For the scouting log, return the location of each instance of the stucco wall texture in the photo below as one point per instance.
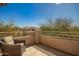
(66, 45)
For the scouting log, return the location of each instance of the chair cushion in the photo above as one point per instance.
(22, 44)
(8, 40)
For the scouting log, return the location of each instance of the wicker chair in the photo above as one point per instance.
(12, 49)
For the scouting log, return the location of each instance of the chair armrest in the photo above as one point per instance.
(21, 44)
(19, 41)
(12, 50)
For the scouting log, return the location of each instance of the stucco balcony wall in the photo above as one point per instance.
(66, 45)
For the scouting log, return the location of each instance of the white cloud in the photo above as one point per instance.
(58, 3)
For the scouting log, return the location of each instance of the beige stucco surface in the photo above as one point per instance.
(66, 45)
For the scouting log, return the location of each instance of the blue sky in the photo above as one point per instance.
(31, 14)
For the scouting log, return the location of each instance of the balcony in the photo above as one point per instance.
(46, 45)
(42, 50)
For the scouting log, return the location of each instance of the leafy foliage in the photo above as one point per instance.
(59, 24)
(60, 27)
(9, 28)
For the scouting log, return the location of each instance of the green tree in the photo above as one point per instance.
(1, 25)
(10, 25)
(59, 24)
(62, 24)
(48, 26)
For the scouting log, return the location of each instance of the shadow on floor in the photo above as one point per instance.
(50, 51)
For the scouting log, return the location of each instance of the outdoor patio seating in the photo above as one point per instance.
(9, 48)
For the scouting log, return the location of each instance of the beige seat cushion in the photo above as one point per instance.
(9, 40)
(22, 44)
